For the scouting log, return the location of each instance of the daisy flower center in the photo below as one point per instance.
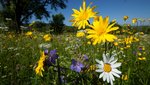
(107, 67)
(84, 16)
(101, 32)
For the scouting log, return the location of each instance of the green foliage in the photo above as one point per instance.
(40, 26)
(57, 23)
(70, 29)
(145, 29)
(19, 56)
(21, 11)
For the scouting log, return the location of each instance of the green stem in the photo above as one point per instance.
(105, 47)
(59, 78)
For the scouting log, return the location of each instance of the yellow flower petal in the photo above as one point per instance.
(100, 31)
(81, 17)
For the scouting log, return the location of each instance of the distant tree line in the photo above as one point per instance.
(56, 25)
(21, 11)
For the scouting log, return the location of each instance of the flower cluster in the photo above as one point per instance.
(100, 31)
(140, 53)
(46, 59)
(52, 56)
(77, 65)
(134, 20)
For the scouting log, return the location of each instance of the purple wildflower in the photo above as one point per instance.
(76, 65)
(46, 52)
(85, 57)
(140, 48)
(52, 57)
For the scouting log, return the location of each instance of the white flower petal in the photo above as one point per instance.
(101, 75)
(102, 63)
(111, 82)
(105, 58)
(104, 76)
(98, 61)
(99, 70)
(107, 77)
(116, 65)
(115, 74)
(100, 66)
(113, 61)
(111, 76)
(116, 71)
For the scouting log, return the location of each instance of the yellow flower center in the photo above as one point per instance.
(84, 16)
(107, 68)
(101, 31)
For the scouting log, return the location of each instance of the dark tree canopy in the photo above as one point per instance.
(21, 11)
(57, 23)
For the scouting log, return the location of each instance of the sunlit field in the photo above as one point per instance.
(19, 55)
(100, 52)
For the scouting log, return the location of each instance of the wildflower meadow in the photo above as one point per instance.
(97, 52)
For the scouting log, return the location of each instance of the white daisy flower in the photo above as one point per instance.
(108, 68)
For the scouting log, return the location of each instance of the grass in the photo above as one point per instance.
(19, 55)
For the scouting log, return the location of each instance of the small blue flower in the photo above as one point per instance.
(85, 57)
(140, 49)
(76, 66)
(46, 52)
(52, 57)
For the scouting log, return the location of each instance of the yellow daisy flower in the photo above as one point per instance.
(113, 21)
(142, 33)
(80, 34)
(124, 77)
(136, 39)
(139, 54)
(142, 58)
(100, 31)
(40, 68)
(134, 20)
(29, 33)
(89, 43)
(128, 40)
(121, 48)
(116, 43)
(47, 37)
(125, 18)
(81, 17)
(91, 68)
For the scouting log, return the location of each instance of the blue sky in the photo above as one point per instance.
(115, 9)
